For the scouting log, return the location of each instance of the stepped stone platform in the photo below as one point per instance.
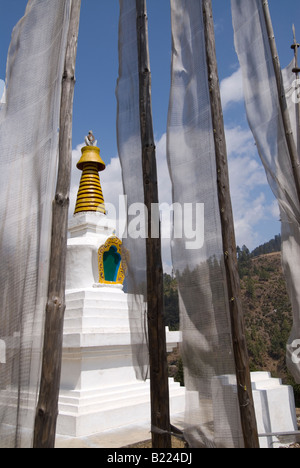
(99, 388)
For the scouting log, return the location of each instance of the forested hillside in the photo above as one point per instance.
(274, 245)
(266, 307)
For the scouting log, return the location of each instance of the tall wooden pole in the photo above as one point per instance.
(246, 404)
(296, 70)
(47, 409)
(160, 413)
(282, 100)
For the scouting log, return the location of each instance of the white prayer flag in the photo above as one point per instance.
(29, 121)
(266, 122)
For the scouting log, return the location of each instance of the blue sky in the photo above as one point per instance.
(255, 210)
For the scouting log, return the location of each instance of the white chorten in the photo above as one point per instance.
(99, 389)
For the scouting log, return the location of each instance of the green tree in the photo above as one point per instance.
(171, 303)
(244, 261)
(250, 288)
(179, 377)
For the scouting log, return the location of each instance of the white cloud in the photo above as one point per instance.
(111, 183)
(248, 215)
(164, 182)
(240, 141)
(165, 195)
(275, 211)
(248, 180)
(232, 89)
(248, 185)
(75, 178)
(246, 171)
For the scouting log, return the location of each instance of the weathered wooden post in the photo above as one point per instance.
(160, 413)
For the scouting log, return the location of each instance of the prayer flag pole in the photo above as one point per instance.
(295, 46)
(246, 404)
(47, 408)
(160, 412)
(282, 99)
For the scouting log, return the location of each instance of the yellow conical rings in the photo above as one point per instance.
(90, 196)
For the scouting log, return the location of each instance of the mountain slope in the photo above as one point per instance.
(267, 312)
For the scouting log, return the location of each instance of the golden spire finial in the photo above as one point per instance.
(90, 140)
(90, 196)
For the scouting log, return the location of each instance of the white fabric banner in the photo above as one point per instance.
(29, 121)
(130, 154)
(212, 413)
(265, 120)
(290, 231)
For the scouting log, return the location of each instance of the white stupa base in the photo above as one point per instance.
(82, 414)
(99, 389)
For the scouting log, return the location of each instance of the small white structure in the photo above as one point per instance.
(274, 407)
